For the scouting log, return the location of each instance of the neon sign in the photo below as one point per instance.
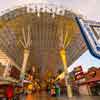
(91, 33)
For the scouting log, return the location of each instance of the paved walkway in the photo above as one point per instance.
(43, 96)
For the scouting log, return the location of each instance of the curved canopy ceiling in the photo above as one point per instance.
(48, 31)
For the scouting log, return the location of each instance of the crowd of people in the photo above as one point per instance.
(50, 86)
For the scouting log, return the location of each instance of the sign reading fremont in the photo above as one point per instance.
(91, 32)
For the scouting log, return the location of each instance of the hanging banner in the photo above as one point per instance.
(91, 33)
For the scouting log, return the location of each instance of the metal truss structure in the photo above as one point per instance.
(50, 26)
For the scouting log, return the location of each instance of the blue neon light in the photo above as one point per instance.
(88, 43)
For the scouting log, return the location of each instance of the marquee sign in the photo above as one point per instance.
(91, 33)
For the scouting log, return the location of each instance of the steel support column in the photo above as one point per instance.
(64, 60)
(24, 65)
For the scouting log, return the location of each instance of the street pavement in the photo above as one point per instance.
(44, 96)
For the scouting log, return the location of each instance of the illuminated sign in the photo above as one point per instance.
(91, 33)
(78, 69)
(79, 74)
